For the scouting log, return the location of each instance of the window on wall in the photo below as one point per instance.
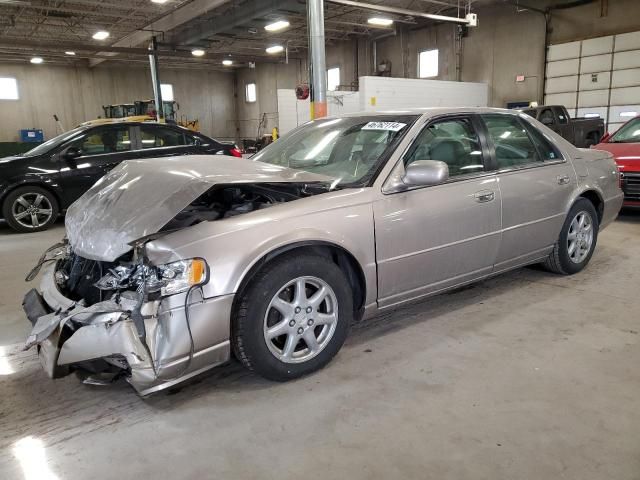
(428, 64)
(8, 88)
(251, 94)
(333, 78)
(166, 89)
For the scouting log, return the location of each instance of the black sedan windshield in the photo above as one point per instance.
(348, 149)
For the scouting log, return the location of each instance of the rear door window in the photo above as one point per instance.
(159, 137)
(512, 145)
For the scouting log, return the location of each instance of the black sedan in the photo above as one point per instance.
(36, 186)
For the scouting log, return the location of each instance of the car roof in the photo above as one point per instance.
(428, 111)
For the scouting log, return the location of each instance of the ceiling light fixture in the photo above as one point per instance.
(380, 21)
(277, 26)
(227, 62)
(159, 1)
(70, 53)
(274, 49)
(101, 35)
(197, 52)
(37, 60)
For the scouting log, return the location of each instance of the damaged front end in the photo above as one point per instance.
(128, 318)
(104, 308)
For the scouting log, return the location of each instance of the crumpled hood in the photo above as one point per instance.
(139, 197)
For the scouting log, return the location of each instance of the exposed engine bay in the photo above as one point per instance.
(228, 201)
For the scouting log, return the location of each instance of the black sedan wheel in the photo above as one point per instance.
(30, 209)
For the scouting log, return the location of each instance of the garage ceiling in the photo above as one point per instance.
(223, 28)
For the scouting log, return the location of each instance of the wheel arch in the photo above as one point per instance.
(336, 253)
(596, 199)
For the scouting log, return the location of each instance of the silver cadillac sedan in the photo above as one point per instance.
(171, 264)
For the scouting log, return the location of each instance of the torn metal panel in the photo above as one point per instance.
(100, 224)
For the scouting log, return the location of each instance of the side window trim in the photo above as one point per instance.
(448, 117)
(528, 129)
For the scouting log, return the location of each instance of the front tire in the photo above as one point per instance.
(577, 242)
(30, 209)
(293, 317)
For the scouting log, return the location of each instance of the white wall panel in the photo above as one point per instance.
(563, 51)
(566, 99)
(561, 84)
(593, 98)
(613, 127)
(602, 81)
(562, 68)
(626, 78)
(384, 93)
(630, 59)
(601, 111)
(615, 112)
(597, 63)
(625, 96)
(597, 46)
(628, 41)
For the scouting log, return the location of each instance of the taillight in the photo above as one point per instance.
(235, 152)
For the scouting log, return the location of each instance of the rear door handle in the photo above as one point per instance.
(484, 196)
(563, 179)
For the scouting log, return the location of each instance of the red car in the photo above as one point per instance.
(625, 147)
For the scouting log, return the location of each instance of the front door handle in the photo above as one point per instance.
(563, 179)
(484, 196)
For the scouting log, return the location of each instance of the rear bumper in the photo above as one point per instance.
(68, 333)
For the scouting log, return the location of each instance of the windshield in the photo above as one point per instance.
(628, 133)
(350, 150)
(53, 143)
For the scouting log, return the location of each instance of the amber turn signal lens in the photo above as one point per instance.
(197, 272)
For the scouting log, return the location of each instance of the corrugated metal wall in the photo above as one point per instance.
(598, 76)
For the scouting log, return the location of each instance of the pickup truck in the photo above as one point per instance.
(582, 132)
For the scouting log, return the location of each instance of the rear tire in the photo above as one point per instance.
(577, 242)
(293, 317)
(30, 209)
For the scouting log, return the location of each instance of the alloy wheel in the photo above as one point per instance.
(32, 210)
(580, 237)
(301, 319)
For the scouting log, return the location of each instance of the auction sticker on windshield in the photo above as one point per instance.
(389, 126)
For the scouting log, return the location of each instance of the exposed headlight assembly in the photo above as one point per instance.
(168, 279)
(178, 277)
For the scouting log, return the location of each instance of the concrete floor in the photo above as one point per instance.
(526, 376)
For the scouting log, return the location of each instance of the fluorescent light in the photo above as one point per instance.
(70, 53)
(591, 115)
(274, 49)
(227, 62)
(37, 60)
(382, 22)
(628, 114)
(197, 52)
(159, 1)
(277, 26)
(101, 35)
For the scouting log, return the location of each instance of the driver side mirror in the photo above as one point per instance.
(70, 154)
(425, 173)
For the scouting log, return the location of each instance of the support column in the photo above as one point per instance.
(155, 79)
(317, 61)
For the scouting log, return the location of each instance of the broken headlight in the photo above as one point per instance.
(168, 279)
(178, 277)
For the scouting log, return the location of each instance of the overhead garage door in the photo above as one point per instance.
(596, 77)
